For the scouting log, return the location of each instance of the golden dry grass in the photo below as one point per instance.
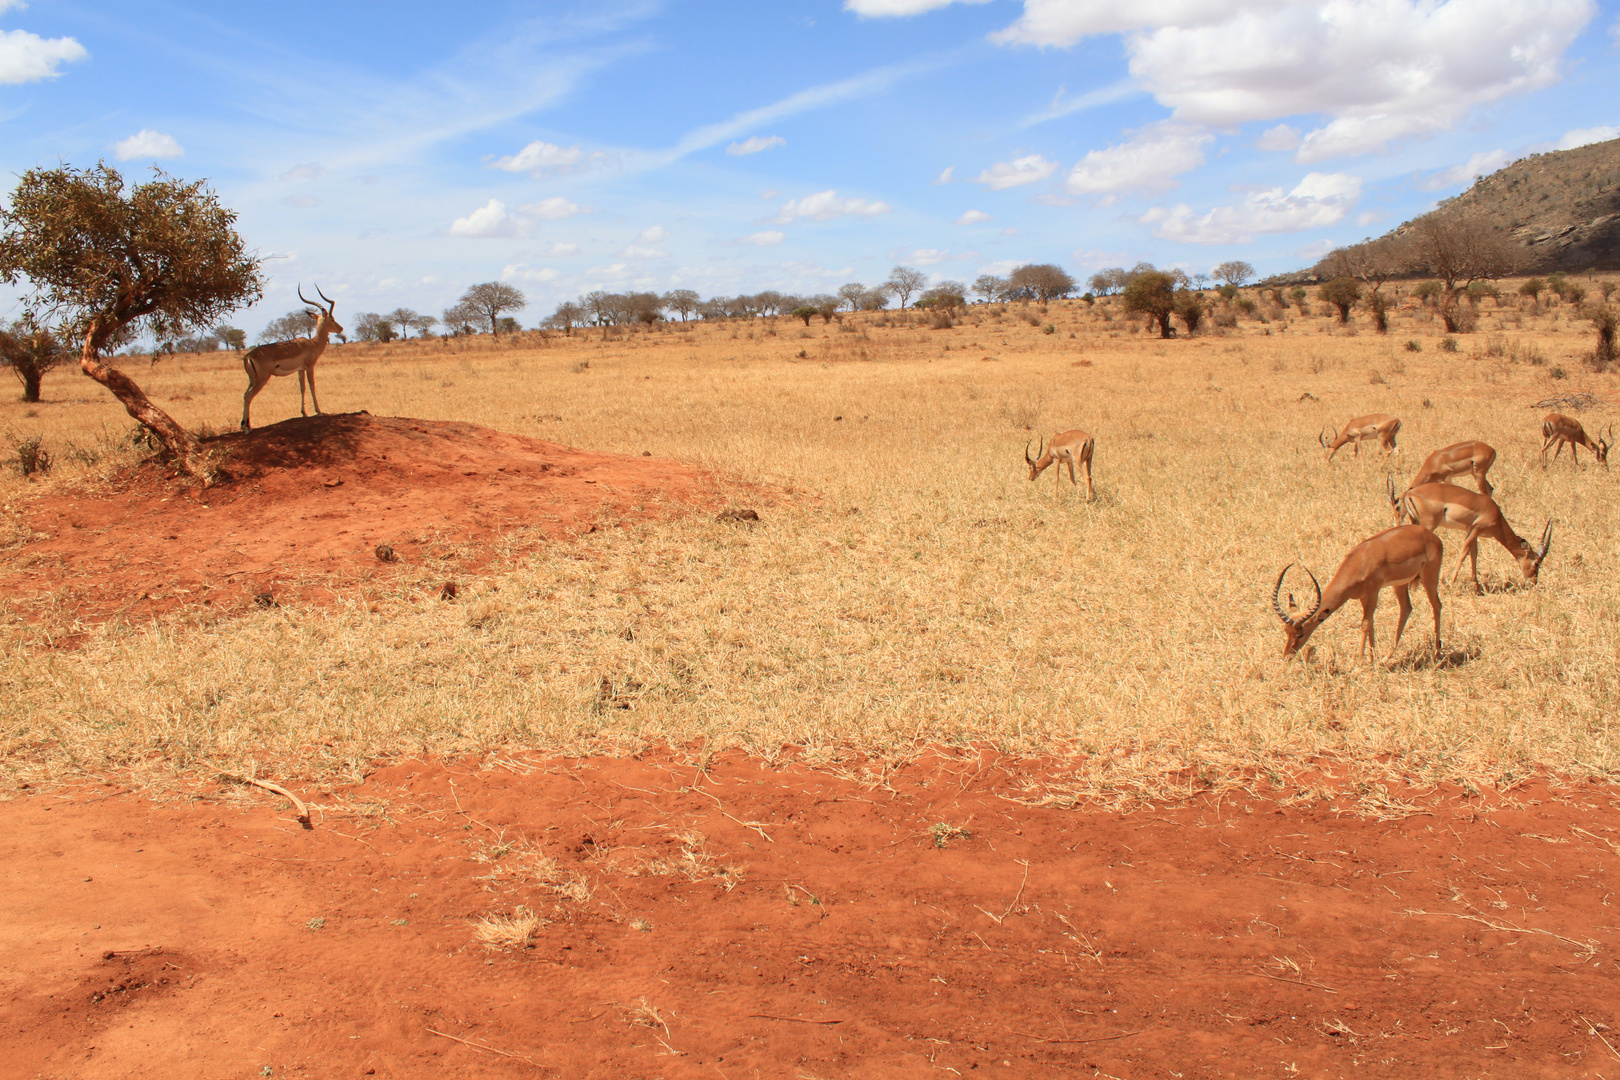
(915, 586)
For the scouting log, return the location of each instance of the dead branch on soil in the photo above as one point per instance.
(1296, 982)
(1104, 1038)
(303, 811)
(1591, 1029)
(790, 1019)
(1587, 947)
(486, 1049)
(1579, 402)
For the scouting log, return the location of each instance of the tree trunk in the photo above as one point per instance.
(176, 439)
(31, 377)
(1165, 329)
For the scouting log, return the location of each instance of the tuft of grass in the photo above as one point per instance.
(945, 834)
(502, 931)
(1414, 345)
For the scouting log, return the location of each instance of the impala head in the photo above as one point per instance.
(1297, 630)
(1396, 503)
(1034, 462)
(1530, 559)
(323, 315)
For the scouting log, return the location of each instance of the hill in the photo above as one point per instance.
(1562, 207)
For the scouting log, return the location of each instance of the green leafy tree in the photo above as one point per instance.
(1153, 293)
(1342, 293)
(30, 350)
(1189, 305)
(99, 257)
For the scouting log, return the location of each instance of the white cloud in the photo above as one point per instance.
(767, 238)
(525, 272)
(754, 144)
(926, 256)
(561, 249)
(493, 219)
(1313, 251)
(873, 9)
(553, 209)
(1378, 70)
(26, 57)
(974, 217)
(1588, 136)
(1319, 200)
(1149, 162)
(488, 221)
(1000, 267)
(148, 145)
(1481, 164)
(1016, 173)
(540, 158)
(946, 175)
(307, 171)
(637, 251)
(1281, 137)
(1367, 217)
(654, 235)
(824, 205)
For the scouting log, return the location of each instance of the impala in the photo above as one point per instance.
(1446, 506)
(1064, 449)
(1455, 460)
(1381, 426)
(1561, 429)
(286, 357)
(1392, 559)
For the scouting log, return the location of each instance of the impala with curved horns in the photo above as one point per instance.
(1065, 448)
(1561, 429)
(1392, 559)
(1455, 460)
(1447, 506)
(1380, 426)
(263, 362)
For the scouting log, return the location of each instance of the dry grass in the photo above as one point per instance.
(514, 931)
(915, 586)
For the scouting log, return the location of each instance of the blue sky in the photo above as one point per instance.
(398, 153)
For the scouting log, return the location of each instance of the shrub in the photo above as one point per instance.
(1448, 344)
(1532, 288)
(1414, 345)
(1558, 373)
(32, 457)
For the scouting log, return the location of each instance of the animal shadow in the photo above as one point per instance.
(1429, 660)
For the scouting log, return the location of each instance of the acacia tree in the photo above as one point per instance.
(1372, 263)
(491, 298)
(1043, 281)
(1460, 249)
(682, 302)
(851, 294)
(1234, 273)
(31, 350)
(991, 287)
(404, 318)
(903, 281)
(1153, 293)
(99, 259)
(1342, 293)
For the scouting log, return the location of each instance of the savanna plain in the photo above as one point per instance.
(929, 768)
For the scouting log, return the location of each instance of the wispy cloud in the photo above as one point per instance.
(1062, 105)
(826, 205)
(754, 144)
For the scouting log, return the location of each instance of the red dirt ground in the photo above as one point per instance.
(308, 501)
(216, 938)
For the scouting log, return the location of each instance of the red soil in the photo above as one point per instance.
(1230, 937)
(308, 501)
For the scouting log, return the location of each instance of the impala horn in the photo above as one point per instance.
(1394, 499)
(1276, 592)
(1323, 439)
(1027, 459)
(306, 299)
(330, 303)
(1546, 545)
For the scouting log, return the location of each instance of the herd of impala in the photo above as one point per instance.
(1396, 557)
(1408, 552)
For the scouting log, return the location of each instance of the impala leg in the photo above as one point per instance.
(1403, 597)
(1369, 642)
(254, 386)
(1470, 548)
(313, 399)
(301, 411)
(1485, 488)
(1072, 481)
(1088, 479)
(1431, 585)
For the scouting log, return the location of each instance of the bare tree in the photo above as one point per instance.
(903, 281)
(459, 318)
(851, 294)
(165, 254)
(991, 287)
(423, 323)
(1042, 281)
(1108, 282)
(1372, 262)
(682, 302)
(491, 298)
(370, 326)
(294, 324)
(403, 318)
(567, 316)
(1234, 273)
(1460, 249)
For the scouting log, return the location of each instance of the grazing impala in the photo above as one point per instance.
(1446, 506)
(1381, 426)
(1455, 460)
(1561, 429)
(1392, 559)
(1065, 449)
(286, 357)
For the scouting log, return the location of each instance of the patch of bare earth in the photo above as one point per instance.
(305, 504)
(640, 918)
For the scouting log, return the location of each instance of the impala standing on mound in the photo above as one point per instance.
(285, 357)
(1446, 506)
(1065, 449)
(1454, 460)
(1381, 426)
(1561, 429)
(1392, 559)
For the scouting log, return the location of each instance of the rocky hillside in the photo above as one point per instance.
(1564, 206)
